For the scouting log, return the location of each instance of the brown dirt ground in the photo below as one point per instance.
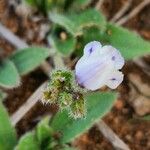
(135, 133)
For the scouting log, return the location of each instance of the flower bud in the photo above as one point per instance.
(63, 91)
(77, 108)
(65, 99)
(99, 66)
(50, 95)
(61, 81)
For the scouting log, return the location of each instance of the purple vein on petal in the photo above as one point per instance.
(90, 73)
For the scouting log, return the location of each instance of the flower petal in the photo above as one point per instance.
(115, 78)
(99, 66)
(92, 48)
(114, 55)
(93, 75)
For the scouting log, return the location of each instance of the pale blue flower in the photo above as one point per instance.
(99, 66)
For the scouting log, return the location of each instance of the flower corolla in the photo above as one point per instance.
(99, 66)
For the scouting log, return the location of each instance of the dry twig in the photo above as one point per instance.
(99, 4)
(11, 38)
(145, 67)
(122, 11)
(111, 136)
(133, 13)
(18, 115)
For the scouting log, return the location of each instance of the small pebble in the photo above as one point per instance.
(139, 135)
(129, 138)
(119, 104)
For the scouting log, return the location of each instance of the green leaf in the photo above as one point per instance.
(89, 34)
(44, 132)
(28, 142)
(64, 46)
(7, 132)
(30, 58)
(81, 3)
(75, 22)
(3, 95)
(130, 44)
(63, 21)
(31, 2)
(9, 76)
(144, 118)
(98, 104)
(147, 118)
(57, 5)
(41, 5)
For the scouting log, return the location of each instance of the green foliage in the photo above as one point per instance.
(21, 62)
(39, 139)
(64, 46)
(95, 34)
(58, 5)
(9, 76)
(41, 5)
(45, 5)
(86, 29)
(31, 2)
(3, 95)
(74, 23)
(60, 83)
(44, 132)
(30, 58)
(130, 44)
(98, 105)
(28, 142)
(147, 117)
(77, 4)
(77, 107)
(144, 118)
(7, 132)
(70, 31)
(65, 99)
(63, 91)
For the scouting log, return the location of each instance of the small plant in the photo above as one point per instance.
(97, 67)
(63, 91)
(80, 105)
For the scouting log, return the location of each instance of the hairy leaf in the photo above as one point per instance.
(89, 34)
(130, 44)
(7, 132)
(44, 132)
(64, 46)
(28, 142)
(74, 23)
(9, 76)
(98, 104)
(30, 58)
